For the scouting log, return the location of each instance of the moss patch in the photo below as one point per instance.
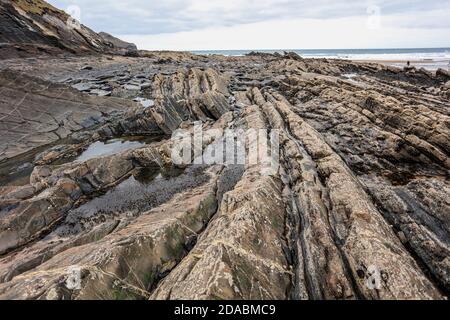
(276, 222)
(36, 6)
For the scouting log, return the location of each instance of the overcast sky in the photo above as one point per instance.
(267, 24)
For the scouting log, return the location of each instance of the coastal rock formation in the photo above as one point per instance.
(36, 112)
(94, 203)
(31, 27)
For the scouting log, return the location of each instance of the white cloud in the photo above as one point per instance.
(218, 24)
(295, 34)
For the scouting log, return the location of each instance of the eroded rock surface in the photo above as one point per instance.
(34, 27)
(357, 209)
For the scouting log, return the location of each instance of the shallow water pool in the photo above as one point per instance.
(100, 148)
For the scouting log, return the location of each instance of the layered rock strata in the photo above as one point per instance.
(357, 209)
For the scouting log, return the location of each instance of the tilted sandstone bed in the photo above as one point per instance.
(362, 186)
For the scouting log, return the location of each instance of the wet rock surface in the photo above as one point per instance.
(358, 208)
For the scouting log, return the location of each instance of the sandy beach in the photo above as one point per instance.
(428, 64)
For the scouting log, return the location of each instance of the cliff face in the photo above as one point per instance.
(29, 27)
(358, 207)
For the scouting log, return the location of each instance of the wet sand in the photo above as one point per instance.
(428, 64)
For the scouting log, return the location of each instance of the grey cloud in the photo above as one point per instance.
(155, 17)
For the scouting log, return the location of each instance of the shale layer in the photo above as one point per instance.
(358, 207)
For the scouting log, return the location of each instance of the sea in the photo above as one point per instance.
(428, 58)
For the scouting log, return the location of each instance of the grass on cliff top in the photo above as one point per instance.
(36, 6)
